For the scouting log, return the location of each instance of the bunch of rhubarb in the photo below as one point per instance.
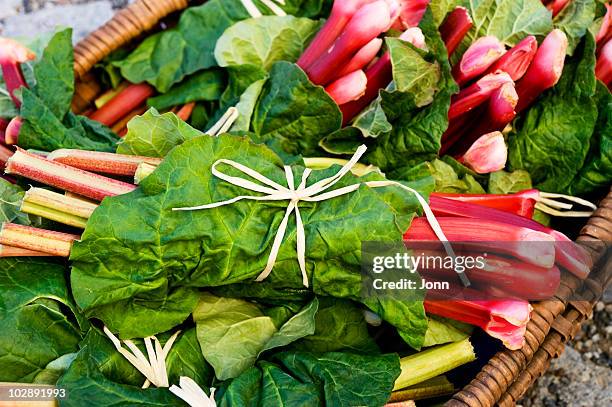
(496, 84)
(343, 55)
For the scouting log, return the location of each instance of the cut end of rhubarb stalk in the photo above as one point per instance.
(488, 154)
(508, 322)
(478, 58)
(477, 93)
(411, 13)
(12, 51)
(348, 88)
(11, 134)
(516, 61)
(414, 36)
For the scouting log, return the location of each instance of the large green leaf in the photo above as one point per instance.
(206, 85)
(265, 40)
(38, 321)
(551, 139)
(136, 250)
(503, 182)
(233, 332)
(306, 379)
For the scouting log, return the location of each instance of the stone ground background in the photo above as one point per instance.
(582, 376)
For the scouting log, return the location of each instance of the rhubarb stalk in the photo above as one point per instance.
(105, 163)
(434, 387)
(12, 55)
(348, 88)
(125, 101)
(365, 25)
(11, 251)
(556, 6)
(603, 69)
(455, 27)
(64, 177)
(545, 70)
(184, 112)
(5, 154)
(40, 240)
(478, 58)
(502, 319)
(477, 93)
(143, 171)
(519, 203)
(11, 134)
(411, 13)
(433, 362)
(122, 123)
(341, 13)
(363, 57)
(109, 94)
(57, 207)
(488, 154)
(516, 61)
(605, 30)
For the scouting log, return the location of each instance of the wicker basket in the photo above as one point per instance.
(508, 374)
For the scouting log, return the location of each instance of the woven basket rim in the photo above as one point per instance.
(508, 374)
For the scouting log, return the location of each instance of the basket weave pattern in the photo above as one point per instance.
(508, 374)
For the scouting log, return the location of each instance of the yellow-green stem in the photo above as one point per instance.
(434, 387)
(52, 214)
(60, 202)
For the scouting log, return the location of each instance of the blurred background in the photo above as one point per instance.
(582, 376)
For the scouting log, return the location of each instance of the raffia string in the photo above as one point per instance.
(313, 193)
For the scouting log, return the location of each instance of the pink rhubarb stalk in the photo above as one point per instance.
(124, 102)
(39, 240)
(11, 251)
(341, 13)
(556, 6)
(494, 208)
(516, 61)
(483, 53)
(505, 320)
(348, 88)
(411, 13)
(477, 93)
(488, 154)
(378, 76)
(12, 55)
(365, 25)
(11, 134)
(64, 177)
(3, 125)
(545, 70)
(455, 27)
(603, 69)
(105, 163)
(363, 57)
(605, 31)
(490, 236)
(5, 154)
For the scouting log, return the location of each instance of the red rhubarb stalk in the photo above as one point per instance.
(605, 31)
(556, 6)
(12, 55)
(545, 70)
(478, 58)
(106, 163)
(127, 100)
(64, 177)
(411, 13)
(184, 112)
(363, 57)
(341, 13)
(488, 154)
(40, 240)
(3, 125)
(365, 25)
(516, 61)
(505, 320)
(122, 123)
(491, 236)
(603, 69)
(455, 27)
(11, 251)
(477, 93)
(348, 88)
(11, 134)
(519, 203)
(5, 154)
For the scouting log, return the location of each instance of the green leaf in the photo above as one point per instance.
(246, 106)
(597, 170)
(38, 320)
(574, 19)
(305, 379)
(339, 326)
(551, 139)
(154, 134)
(206, 85)
(344, 141)
(416, 132)
(101, 374)
(240, 77)
(265, 40)
(12, 195)
(136, 249)
(503, 182)
(440, 8)
(292, 113)
(447, 180)
(443, 330)
(54, 73)
(233, 332)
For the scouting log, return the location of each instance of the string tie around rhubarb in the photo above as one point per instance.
(313, 193)
(154, 369)
(546, 203)
(254, 12)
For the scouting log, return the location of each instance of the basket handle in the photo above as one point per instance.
(125, 25)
